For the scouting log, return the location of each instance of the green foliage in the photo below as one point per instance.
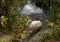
(19, 24)
(14, 21)
(1, 40)
(55, 9)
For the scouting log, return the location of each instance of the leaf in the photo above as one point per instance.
(51, 24)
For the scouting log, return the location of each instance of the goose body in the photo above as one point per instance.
(34, 24)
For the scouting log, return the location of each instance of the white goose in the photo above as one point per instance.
(34, 24)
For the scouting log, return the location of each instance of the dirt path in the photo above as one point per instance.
(38, 36)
